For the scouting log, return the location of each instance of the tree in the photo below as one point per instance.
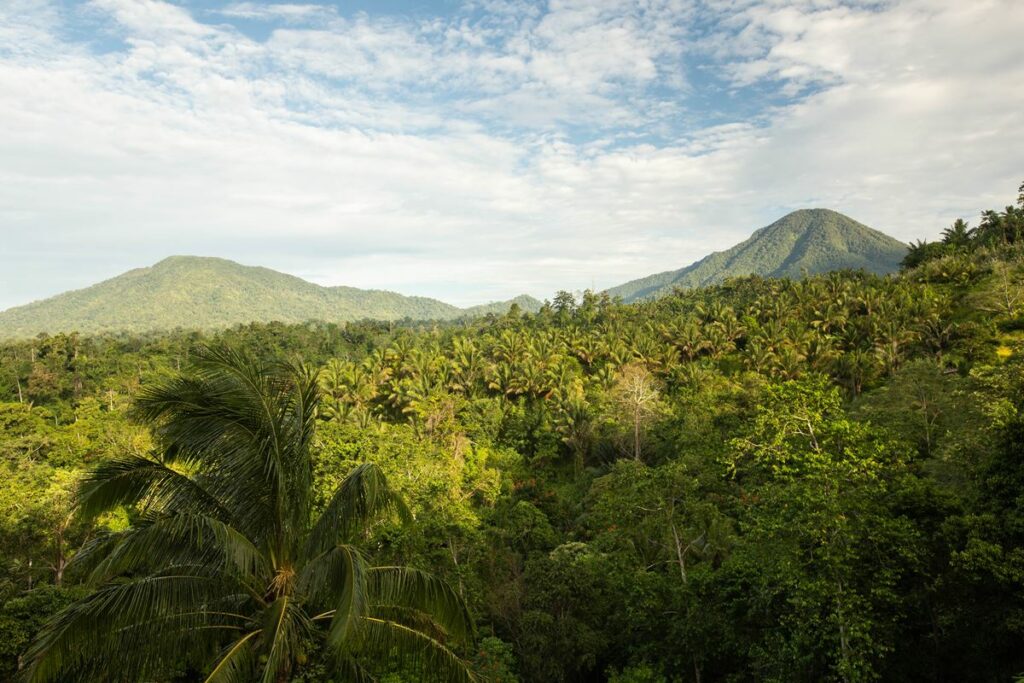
(572, 604)
(921, 251)
(1004, 297)
(22, 616)
(227, 569)
(661, 516)
(919, 405)
(635, 394)
(825, 540)
(564, 304)
(957, 235)
(1001, 227)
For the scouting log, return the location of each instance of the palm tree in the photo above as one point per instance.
(574, 423)
(228, 569)
(1001, 227)
(690, 340)
(958, 235)
(587, 347)
(920, 251)
(468, 366)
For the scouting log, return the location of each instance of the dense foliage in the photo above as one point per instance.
(808, 241)
(780, 480)
(210, 293)
(226, 568)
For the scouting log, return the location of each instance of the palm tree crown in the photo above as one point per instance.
(227, 568)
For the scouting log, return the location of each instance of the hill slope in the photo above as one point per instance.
(809, 240)
(210, 293)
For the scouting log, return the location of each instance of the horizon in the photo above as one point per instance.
(541, 299)
(475, 151)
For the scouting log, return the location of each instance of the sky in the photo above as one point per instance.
(473, 151)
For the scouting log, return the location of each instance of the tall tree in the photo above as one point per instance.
(636, 396)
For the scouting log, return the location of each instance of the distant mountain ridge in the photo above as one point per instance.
(805, 241)
(206, 293)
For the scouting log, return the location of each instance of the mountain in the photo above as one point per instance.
(805, 241)
(209, 293)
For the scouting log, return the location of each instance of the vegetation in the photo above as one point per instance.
(808, 241)
(996, 230)
(197, 293)
(226, 568)
(765, 479)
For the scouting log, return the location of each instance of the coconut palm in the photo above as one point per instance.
(587, 347)
(228, 570)
(958, 235)
(468, 366)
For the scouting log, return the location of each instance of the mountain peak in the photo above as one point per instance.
(812, 211)
(815, 219)
(803, 241)
(191, 261)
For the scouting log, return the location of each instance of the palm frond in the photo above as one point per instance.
(352, 671)
(246, 426)
(132, 479)
(236, 663)
(184, 538)
(408, 588)
(362, 497)
(285, 628)
(144, 625)
(298, 425)
(430, 657)
(337, 580)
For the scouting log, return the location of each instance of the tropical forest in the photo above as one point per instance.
(814, 477)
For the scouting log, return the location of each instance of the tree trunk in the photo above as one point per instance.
(681, 558)
(844, 641)
(60, 561)
(680, 553)
(636, 435)
(455, 560)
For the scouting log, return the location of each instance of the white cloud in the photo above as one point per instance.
(500, 150)
(148, 18)
(288, 12)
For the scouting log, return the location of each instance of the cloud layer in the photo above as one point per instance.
(498, 148)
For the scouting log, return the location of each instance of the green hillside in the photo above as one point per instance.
(805, 241)
(209, 293)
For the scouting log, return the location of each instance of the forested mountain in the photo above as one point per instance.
(204, 293)
(806, 241)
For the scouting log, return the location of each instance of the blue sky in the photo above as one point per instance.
(476, 150)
